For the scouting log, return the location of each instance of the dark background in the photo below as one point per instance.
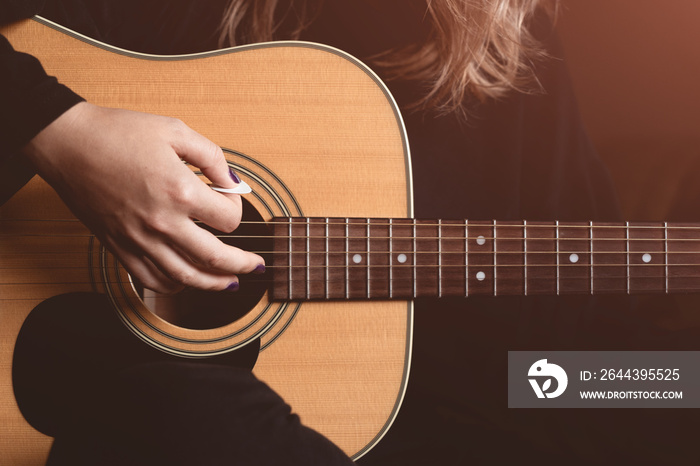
(635, 66)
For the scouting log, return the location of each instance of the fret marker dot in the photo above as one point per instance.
(646, 258)
(480, 240)
(480, 276)
(573, 258)
(402, 258)
(357, 258)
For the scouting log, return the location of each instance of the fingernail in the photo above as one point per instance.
(259, 269)
(233, 175)
(233, 286)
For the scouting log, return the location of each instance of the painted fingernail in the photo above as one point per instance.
(233, 286)
(233, 175)
(259, 269)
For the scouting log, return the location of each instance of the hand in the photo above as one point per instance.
(120, 173)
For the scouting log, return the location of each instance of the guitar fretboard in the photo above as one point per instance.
(352, 258)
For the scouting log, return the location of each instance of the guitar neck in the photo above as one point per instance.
(339, 258)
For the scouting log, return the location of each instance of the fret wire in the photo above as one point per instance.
(666, 252)
(591, 258)
(308, 260)
(415, 262)
(439, 258)
(466, 258)
(493, 243)
(290, 258)
(347, 258)
(558, 277)
(327, 257)
(525, 256)
(391, 258)
(368, 263)
(627, 229)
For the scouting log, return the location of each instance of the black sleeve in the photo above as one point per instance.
(30, 98)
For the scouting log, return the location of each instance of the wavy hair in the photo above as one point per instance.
(476, 49)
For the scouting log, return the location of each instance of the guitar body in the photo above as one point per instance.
(314, 133)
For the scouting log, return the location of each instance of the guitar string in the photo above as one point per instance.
(384, 254)
(424, 266)
(488, 236)
(582, 258)
(405, 297)
(489, 227)
(529, 238)
(394, 252)
(460, 226)
(386, 279)
(356, 278)
(397, 223)
(448, 288)
(395, 266)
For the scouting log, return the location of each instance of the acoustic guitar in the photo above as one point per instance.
(320, 140)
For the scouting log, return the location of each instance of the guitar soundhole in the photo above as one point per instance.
(201, 310)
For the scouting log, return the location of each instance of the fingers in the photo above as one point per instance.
(220, 211)
(194, 258)
(182, 253)
(167, 272)
(144, 213)
(205, 155)
(210, 254)
(183, 271)
(145, 271)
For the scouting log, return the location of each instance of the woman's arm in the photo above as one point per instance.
(121, 173)
(144, 209)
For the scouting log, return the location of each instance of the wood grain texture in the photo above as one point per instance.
(331, 136)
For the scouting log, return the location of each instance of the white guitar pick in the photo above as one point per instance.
(242, 188)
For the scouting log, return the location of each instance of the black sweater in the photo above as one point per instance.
(29, 99)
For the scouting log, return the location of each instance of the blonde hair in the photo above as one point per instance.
(476, 49)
